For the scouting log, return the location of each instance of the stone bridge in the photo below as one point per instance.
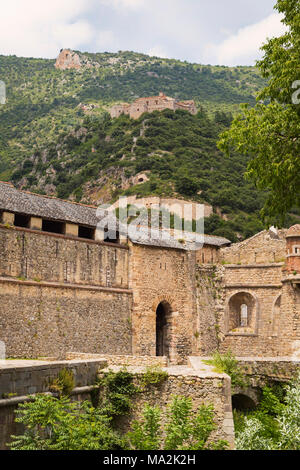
(261, 372)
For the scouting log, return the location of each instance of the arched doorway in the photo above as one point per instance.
(163, 312)
(242, 402)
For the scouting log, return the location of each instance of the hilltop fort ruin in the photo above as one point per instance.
(150, 104)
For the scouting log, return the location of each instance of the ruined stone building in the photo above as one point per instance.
(64, 288)
(150, 104)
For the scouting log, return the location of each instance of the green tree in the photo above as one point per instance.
(59, 424)
(183, 428)
(275, 425)
(270, 131)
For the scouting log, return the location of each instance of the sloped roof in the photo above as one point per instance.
(23, 202)
(163, 238)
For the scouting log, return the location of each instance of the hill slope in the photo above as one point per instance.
(162, 153)
(42, 101)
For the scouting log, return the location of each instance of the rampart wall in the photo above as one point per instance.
(60, 294)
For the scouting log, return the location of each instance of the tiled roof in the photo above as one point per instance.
(23, 202)
(163, 238)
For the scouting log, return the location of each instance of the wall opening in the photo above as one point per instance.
(53, 226)
(241, 312)
(242, 402)
(276, 316)
(163, 312)
(86, 232)
(22, 220)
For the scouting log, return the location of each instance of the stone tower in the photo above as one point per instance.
(293, 249)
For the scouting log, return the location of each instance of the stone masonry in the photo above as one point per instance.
(150, 104)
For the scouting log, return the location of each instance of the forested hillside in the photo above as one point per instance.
(57, 138)
(43, 101)
(176, 152)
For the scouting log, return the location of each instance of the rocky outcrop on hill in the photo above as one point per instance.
(69, 59)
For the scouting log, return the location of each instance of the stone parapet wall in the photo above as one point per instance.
(112, 360)
(20, 379)
(27, 254)
(263, 370)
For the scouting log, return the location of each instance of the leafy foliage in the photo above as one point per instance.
(183, 430)
(117, 390)
(59, 424)
(228, 364)
(153, 375)
(275, 425)
(269, 133)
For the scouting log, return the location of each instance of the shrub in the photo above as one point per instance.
(184, 429)
(117, 390)
(64, 383)
(59, 424)
(275, 425)
(154, 375)
(228, 364)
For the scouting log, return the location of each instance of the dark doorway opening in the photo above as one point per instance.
(242, 402)
(162, 330)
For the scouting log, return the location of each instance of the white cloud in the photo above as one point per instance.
(132, 4)
(72, 35)
(243, 47)
(40, 29)
(105, 40)
(157, 51)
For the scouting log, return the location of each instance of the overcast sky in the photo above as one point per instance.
(224, 32)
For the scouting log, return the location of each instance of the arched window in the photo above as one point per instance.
(241, 314)
(276, 316)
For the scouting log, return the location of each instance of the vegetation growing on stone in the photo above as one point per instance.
(58, 424)
(64, 383)
(228, 364)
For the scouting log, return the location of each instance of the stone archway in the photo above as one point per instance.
(242, 402)
(163, 329)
